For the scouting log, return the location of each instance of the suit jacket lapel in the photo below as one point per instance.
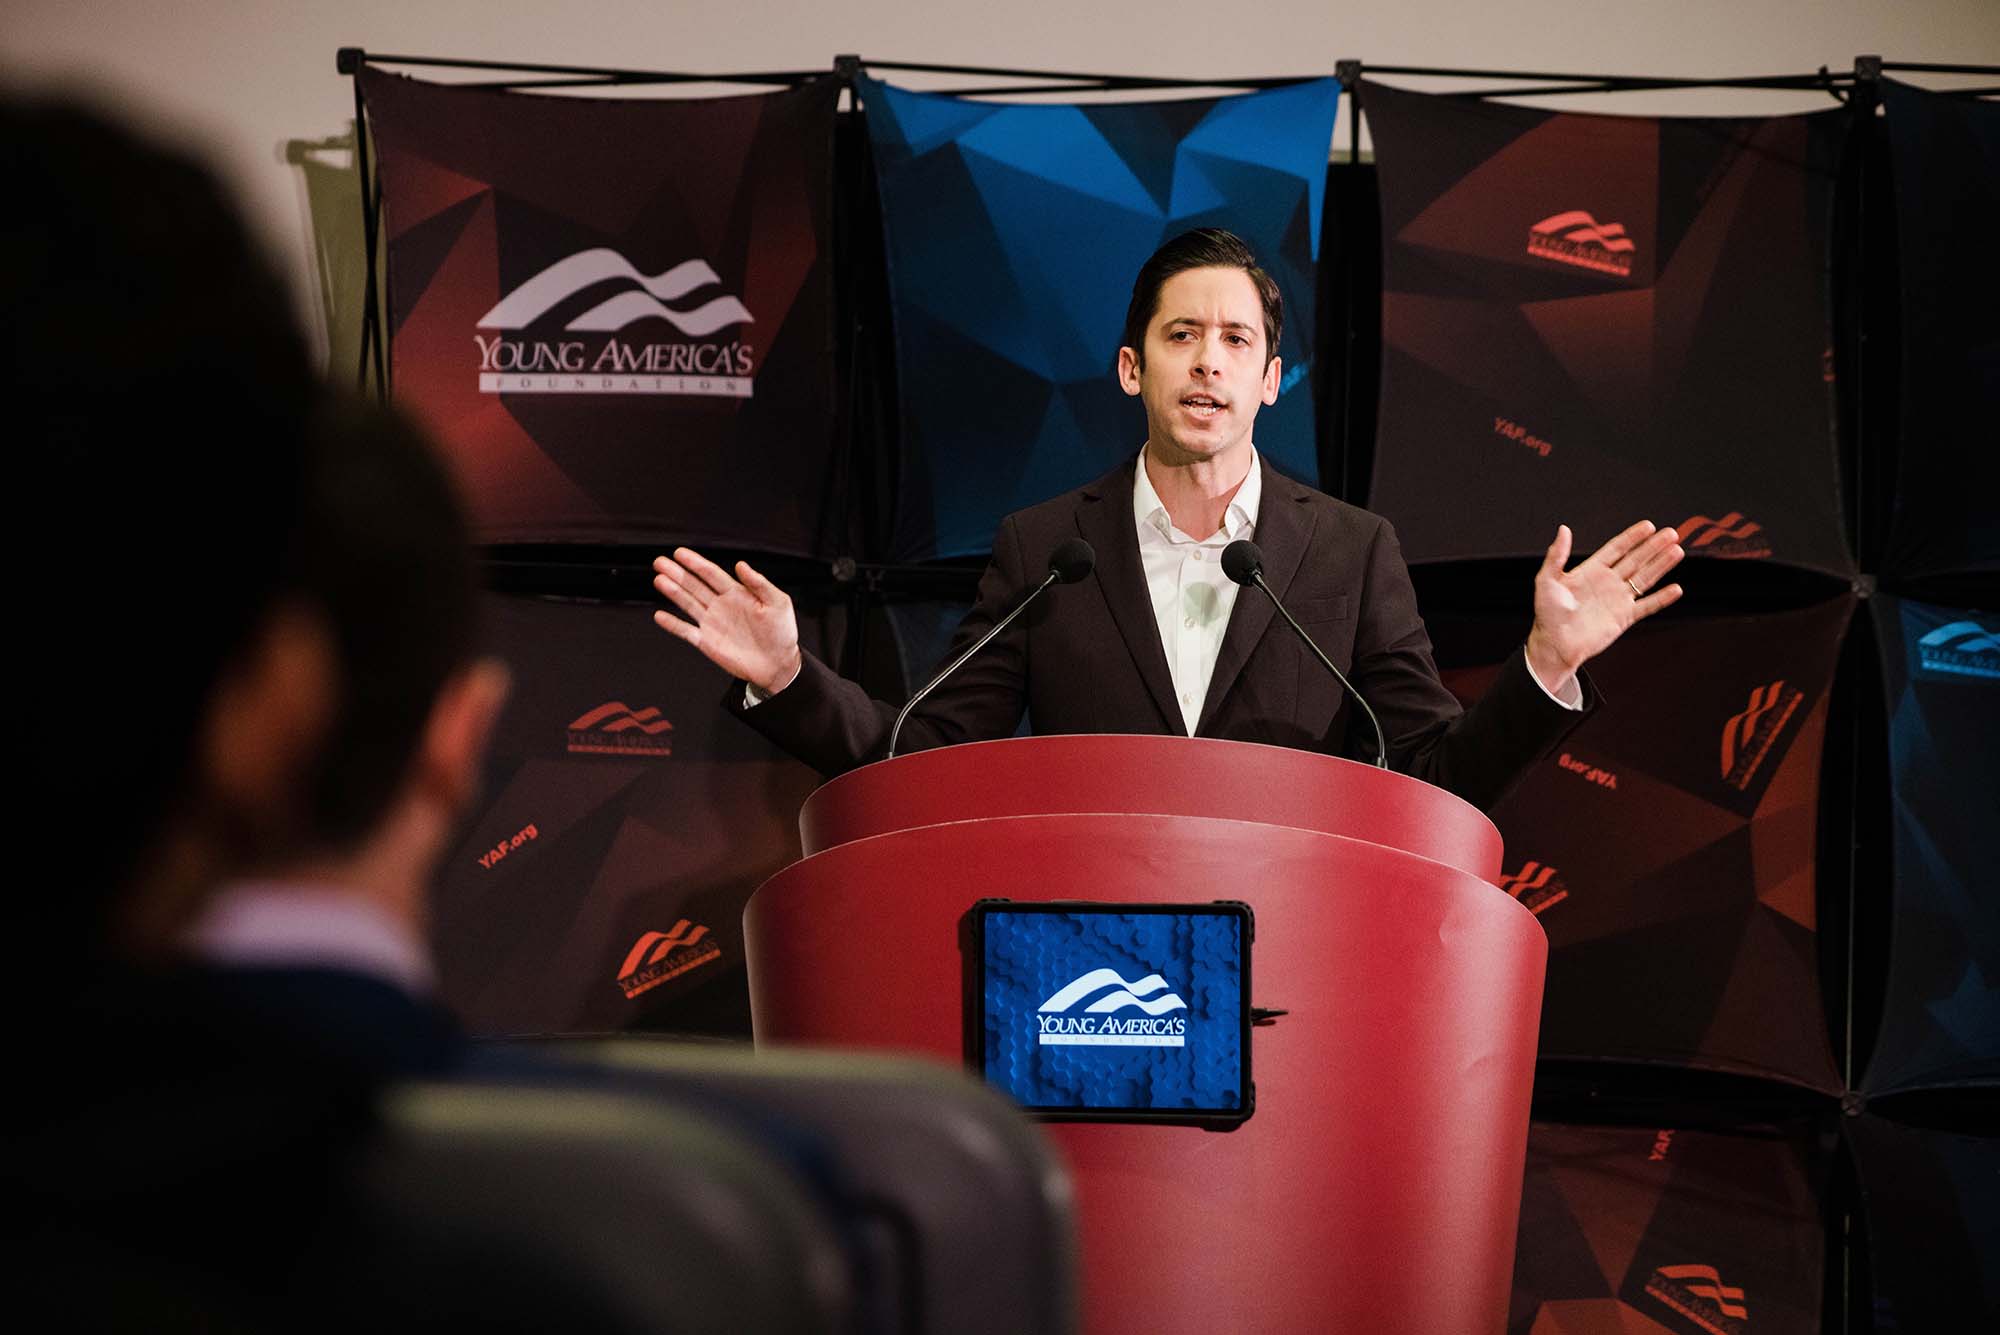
(1104, 518)
(1284, 529)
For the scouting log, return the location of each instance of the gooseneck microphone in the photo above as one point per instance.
(1071, 561)
(1242, 562)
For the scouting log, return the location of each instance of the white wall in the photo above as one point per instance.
(254, 80)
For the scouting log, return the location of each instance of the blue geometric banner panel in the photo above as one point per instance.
(1941, 1012)
(1932, 1222)
(1946, 155)
(1013, 234)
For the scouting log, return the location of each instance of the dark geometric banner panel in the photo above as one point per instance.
(624, 821)
(617, 314)
(1946, 155)
(1931, 1202)
(1941, 1013)
(1631, 1230)
(921, 630)
(1668, 846)
(1596, 319)
(1013, 235)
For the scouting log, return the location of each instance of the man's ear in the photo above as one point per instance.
(1274, 375)
(461, 724)
(265, 720)
(268, 716)
(1128, 370)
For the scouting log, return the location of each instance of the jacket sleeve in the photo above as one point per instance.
(833, 725)
(1477, 753)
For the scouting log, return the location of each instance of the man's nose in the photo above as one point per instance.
(1208, 357)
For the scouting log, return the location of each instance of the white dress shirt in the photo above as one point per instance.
(1191, 596)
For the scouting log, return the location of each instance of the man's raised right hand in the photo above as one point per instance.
(742, 623)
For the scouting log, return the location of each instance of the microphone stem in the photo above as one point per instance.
(953, 666)
(1381, 747)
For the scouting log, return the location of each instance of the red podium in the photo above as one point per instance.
(1376, 1187)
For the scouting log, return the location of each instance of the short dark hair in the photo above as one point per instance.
(157, 383)
(1203, 248)
(384, 553)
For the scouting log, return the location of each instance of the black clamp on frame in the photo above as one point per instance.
(1868, 69)
(1349, 74)
(349, 59)
(847, 67)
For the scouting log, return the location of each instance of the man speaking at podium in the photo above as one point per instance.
(1162, 640)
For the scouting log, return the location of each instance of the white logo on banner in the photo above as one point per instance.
(1156, 1028)
(596, 365)
(587, 268)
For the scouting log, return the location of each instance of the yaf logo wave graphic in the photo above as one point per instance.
(565, 278)
(1731, 536)
(1747, 737)
(1574, 237)
(1062, 1024)
(1537, 886)
(616, 729)
(617, 716)
(1961, 649)
(1698, 1293)
(659, 956)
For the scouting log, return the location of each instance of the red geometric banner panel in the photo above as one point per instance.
(1941, 1009)
(1593, 319)
(1668, 847)
(1931, 1203)
(616, 314)
(625, 820)
(1946, 155)
(1637, 1231)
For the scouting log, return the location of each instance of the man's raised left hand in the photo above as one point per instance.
(1579, 613)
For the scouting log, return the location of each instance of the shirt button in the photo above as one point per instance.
(1189, 623)
(1197, 556)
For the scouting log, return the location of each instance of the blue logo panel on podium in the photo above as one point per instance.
(1095, 1009)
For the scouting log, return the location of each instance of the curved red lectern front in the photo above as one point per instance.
(1377, 1186)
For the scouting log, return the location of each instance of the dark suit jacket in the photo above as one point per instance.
(1088, 659)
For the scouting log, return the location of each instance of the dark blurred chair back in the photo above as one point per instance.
(954, 1205)
(585, 1210)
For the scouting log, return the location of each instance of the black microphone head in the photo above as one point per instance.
(1242, 562)
(1072, 560)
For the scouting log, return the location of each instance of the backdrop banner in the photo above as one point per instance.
(1941, 1010)
(617, 314)
(1595, 319)
(1691, 1232)
(1946, 156)
(1668, 846)
(1933, 1225)
(921, 629)
(1013, 234)
(625, 821)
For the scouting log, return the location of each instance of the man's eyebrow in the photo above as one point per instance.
(1223, 324)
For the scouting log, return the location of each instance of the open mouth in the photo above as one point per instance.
(1203, 405)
